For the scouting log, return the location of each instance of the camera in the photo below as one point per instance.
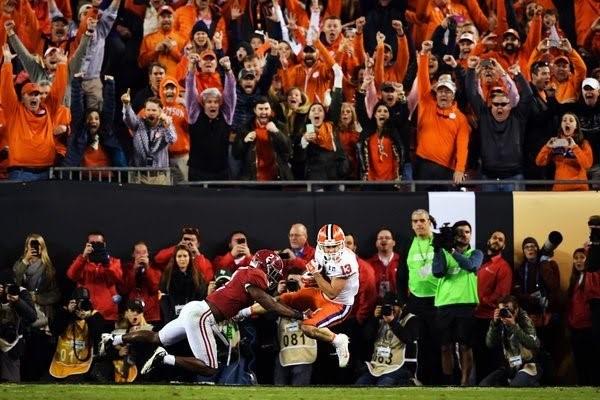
(594, 224)
(10, 289)
(240, 240)
(487, 64)
(555, 238)
(505, 313)
(84, 305)
(292, 285)
(35, 247)
(284, 256)
(444, 239)
(386, 310)
(99, 255)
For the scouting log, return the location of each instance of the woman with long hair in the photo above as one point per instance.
(181, 283)
(570, 152)
(349, 130)
(580, 321)
(35, 272)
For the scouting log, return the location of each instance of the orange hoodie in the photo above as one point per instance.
(178, 112)
(148, 54)
(442, 134)
(568, 168)
(30, 137)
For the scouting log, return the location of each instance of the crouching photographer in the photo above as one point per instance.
(17, 311)
(513, 330)
(79, 327)
(394, 360)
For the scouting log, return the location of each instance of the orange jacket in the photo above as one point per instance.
(26, 24)
(442, 134)
(178, 112)
(427, 17)
(569, 90)
(62, 117)
(30, 137)
(586, 12)
(148, 54)
(186, 17)
(313, 81)
(395, 72)
(568, 168)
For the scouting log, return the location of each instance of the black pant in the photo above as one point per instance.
(430, 358)
(582, 343)
(428, 170)
(486, 359)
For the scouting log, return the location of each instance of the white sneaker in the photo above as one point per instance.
(342, 350)
(154, 361)
(105, 341)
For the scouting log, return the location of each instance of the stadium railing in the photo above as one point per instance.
(122, 175)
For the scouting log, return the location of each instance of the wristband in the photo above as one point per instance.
(246, 312)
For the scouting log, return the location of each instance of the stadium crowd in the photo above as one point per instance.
(319, 90)
(426, 310)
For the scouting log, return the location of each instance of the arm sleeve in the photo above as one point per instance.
(229, 97)
(108, 102)
(77, 59)
(191, 97)
(131, 120)
(407, 333)
(471, 89)
(543, 157)
(27, 60)
(470, 263)
(402, 58)
(76, 269)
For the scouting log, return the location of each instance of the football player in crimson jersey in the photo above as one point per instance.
(334, 272)
(197, 318)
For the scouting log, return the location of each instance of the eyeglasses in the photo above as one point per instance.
(500, 104)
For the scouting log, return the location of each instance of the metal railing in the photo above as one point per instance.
(122, 175)
(113, 174)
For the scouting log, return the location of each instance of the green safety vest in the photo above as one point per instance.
(458, 286)
(421, 282)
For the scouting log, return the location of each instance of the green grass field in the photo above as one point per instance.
(163, 392)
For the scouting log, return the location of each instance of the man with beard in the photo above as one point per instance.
(501, 129)
(165, 45)
(152, 134)
(542, 122)
(511, 50)
(456, 299)
(313, 76)
(210, 117)
(494, 280)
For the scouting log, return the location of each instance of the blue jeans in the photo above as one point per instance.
(503, 187)
(21, 175)
(400, 377)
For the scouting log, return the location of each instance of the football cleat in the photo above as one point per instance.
(342, 350)
(154, 361)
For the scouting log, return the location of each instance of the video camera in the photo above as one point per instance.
(444, 239)
(9, 289)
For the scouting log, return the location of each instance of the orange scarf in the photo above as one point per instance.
(325, 136)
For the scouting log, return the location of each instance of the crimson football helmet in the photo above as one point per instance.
(330, 240)
(271, 264)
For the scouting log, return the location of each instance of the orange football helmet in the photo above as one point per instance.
(330, 240)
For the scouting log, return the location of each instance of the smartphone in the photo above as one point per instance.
(35, 246)
(561, 142)
(240, 240)
(310, 128)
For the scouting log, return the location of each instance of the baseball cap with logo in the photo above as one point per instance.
(30, 88)
(445, 80)
(467, 36)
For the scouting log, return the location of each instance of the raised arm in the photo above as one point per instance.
(229, 93)
(191, 91)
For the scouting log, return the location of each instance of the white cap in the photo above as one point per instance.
(590, 82)
(467, 36)
(445, 80)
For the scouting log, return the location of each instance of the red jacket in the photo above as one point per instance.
(226, 261)
(202, 263)
(148, 291)
(308, 253)
(385, 277)
(494, 280)
(101, 282)
(366, 298)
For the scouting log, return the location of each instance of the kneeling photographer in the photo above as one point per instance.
(513, 330)
(79, 327)
(17, 311)
(394, 360)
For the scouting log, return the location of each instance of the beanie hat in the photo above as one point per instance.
(200, 26)
(528, 240)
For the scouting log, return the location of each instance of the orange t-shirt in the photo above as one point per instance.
(383, 165)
